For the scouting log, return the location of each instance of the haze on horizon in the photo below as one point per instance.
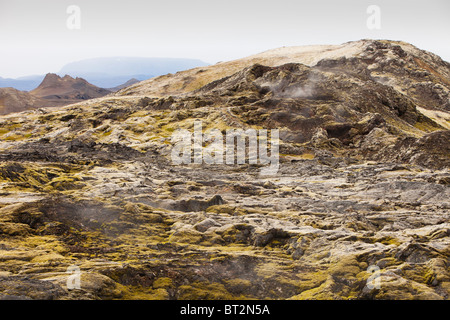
(35, 38)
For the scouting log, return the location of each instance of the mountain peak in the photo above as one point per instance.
(52, 79)
(66, 89)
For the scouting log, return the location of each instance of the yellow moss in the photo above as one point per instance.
(141, 113)
(307, 156)
(66, 183)
(48, 258)
(140, 293)
(238, 283)
(389, 240)
(318, 293)
(186, 236)
(5, 128)
(21, 255)
(426, 126)
(345, 267)
(14, 137)
(14, 229)
(163, 282)
(204, 291)
(223, 208)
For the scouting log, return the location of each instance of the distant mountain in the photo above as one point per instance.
(111, 72)
(124, 85)
(65, 90)
(108, 81)
(23, 83)
(29, 83)
(13, 100)
(53, 91)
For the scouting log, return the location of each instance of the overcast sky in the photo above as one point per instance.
(35, 39)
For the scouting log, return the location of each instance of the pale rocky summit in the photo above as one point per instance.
(363, 183)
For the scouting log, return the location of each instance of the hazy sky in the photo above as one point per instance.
(34, 37)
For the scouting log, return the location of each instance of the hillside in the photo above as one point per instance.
(124, 85)
(421, 75)
(362, 183)
(12, 100)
